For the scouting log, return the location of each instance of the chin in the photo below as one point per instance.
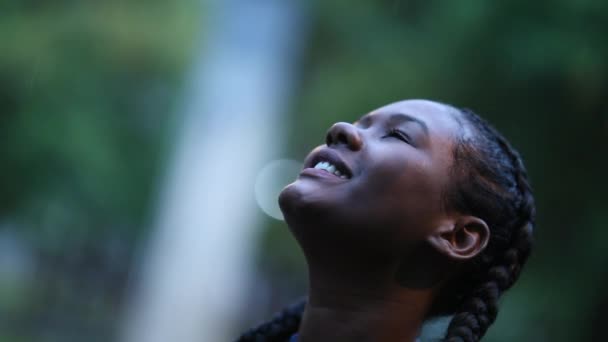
(292, 201)
(287, 198)
(300, 202)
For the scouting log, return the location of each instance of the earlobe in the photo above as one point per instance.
(461, 239)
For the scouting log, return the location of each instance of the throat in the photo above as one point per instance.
(359, 292)
(363, 317)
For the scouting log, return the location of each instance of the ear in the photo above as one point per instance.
(462, 238)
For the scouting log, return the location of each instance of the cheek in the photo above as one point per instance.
(401, 194)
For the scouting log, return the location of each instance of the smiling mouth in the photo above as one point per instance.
(331, 168)
(327, 162)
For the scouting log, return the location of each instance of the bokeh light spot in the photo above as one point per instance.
(271, 179)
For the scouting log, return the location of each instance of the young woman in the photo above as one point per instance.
(416, 210)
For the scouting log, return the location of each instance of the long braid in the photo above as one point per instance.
(481, 308)
(478, 309)
(279, 328)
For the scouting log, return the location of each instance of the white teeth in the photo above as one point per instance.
(322, 165)
(330, 168)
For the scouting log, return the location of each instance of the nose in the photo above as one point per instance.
(344, 133)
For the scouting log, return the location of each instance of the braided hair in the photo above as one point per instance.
(490, 182)
(279, 328)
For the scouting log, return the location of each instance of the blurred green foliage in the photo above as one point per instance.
(86, 92)
(88, 88)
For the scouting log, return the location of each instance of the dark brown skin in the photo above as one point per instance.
(380, 244)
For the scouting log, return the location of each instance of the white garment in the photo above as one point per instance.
(433, 330)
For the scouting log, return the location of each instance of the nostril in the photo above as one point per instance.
(342, 138)
(328, 139)
(345, 134)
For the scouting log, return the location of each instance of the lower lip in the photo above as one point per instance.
(317, 173)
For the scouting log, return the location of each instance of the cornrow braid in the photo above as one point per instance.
(502, 262)
(279, 328)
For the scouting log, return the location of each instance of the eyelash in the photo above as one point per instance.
(399, 135)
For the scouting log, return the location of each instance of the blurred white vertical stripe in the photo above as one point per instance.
(196, 268)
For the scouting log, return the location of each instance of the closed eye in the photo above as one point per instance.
(395, 133)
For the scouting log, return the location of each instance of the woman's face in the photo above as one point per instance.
(378, 180)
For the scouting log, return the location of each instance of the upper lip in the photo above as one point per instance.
(328, 155)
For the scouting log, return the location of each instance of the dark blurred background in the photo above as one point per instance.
(95, 97)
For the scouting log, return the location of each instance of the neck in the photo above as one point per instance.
(356, 298)
(356, 317)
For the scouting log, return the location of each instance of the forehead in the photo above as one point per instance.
(440, 119)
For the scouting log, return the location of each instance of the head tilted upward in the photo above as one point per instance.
(417, 203)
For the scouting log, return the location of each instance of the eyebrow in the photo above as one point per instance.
(395, 117)
(402, 117)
